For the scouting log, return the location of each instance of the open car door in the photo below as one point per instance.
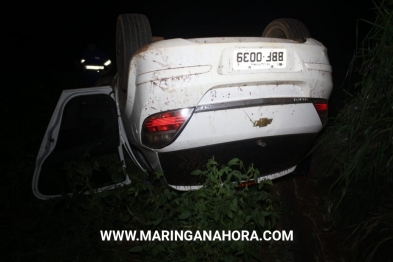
(82, 148)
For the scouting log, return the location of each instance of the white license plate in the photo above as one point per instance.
(259, 58)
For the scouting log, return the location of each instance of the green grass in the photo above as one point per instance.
(359, 144)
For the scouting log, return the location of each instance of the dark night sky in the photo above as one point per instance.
(52, 37)
(55, 35)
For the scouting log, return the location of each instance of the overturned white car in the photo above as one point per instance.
(176, 103)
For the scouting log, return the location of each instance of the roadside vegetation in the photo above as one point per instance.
(359, 146)
(68, 229)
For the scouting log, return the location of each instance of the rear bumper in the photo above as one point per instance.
(271, 155)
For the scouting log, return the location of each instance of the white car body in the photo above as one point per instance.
(262, 112)
(203, 74)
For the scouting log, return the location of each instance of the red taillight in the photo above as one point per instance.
(247, 183)
(321, 105)
(165, 122)
(161, 129)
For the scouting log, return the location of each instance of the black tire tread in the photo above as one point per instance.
(292, 28)
(132, 32)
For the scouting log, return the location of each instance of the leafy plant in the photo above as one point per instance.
(219, 205)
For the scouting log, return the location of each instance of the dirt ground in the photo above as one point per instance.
(307, 214)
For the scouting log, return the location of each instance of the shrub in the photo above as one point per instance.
(360, 142)
(219, 205)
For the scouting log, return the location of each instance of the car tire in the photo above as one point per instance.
(287, 28)
(132, 32)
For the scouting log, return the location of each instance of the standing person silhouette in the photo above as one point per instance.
(95, 64)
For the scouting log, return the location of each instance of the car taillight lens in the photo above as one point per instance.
(159, 130)
(247, 183)
(321, 105)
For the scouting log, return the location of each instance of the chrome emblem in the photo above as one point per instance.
(263, 122)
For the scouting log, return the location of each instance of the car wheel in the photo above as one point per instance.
(132, 32)
(287, 28)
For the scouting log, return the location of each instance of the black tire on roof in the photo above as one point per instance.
(287, 28)
(132, 32)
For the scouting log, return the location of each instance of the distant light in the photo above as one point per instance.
(82, 61)
(94, 67)
(107, 63)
